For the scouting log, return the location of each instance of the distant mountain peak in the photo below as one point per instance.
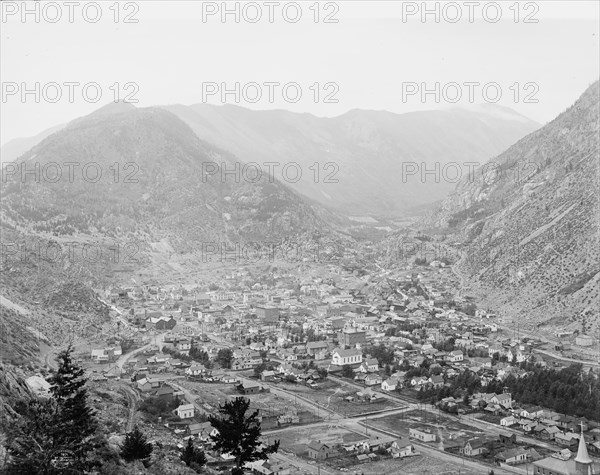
(497, 111)
(114, 108)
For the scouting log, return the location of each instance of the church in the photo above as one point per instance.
(582, 464)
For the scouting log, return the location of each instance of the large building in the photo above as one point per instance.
(268, 313)
(341, 357)
(352, 336)
(582, 464)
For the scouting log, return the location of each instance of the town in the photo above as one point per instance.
(359, 370)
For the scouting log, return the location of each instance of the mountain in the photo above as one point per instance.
(354, 163)
(17, 147)
(138, 198)
(155, 179)
(529, 222)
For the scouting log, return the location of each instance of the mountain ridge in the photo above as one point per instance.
(529, 221)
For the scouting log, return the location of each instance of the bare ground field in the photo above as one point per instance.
(446, 429)
(270, 405)
(332, 394)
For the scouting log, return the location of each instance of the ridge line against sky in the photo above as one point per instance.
(170, 52)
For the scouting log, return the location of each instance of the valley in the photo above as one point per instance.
(373, 327)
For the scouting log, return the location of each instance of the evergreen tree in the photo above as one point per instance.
(347, 371)
(76, 423)
(56, 435)
(239, 434)
(193, 457)
(29, 438)
(135, 446)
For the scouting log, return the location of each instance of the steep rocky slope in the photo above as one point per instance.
(529, 222)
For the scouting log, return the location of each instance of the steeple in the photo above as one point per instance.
(583, 462)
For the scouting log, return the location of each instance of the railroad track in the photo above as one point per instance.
(131, 405)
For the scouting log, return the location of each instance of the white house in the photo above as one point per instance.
(504, 400)
(195, 370)
(508, 421)
(183, 345)
(402, 448)
(99, 355)
(372, 379)
(455, 356)
(185, 411)
(390, 384)
(371, 364)
(531, 412)
(424, 435)
(344, 357)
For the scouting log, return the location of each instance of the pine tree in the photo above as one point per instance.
(135, 446)
(76, 423)
(239, 435)
(29, 437)
(193, 457)
(56, 435)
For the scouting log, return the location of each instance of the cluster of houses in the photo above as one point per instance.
(364, 451)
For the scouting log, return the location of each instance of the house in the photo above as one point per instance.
(196, 370)
(183, 345)
(402, 448)
(418, 381)
(248, 387)
(165, 393)
(391, 384)
(160, 323)
(372, 445)
(314, 347)
(318, 450)
(455, 356)
(346, 357)
(508, 421)
(267, 376)
(99, 356)
(203, 430)
(473, 447)
(370, 365)
(269, 467)
(504, 400)
(147, 384)
(185, 411)
(569, 440)
(437, 380)
(424, 435)
(372, 379)
(112, 372)
(549, 432)
(531, 412)
(512, 456)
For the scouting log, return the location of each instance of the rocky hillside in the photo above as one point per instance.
(123, 189)
(151, 186)
(529, 222)
(354, 163)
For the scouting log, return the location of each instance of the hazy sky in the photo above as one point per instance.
(362, 61)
